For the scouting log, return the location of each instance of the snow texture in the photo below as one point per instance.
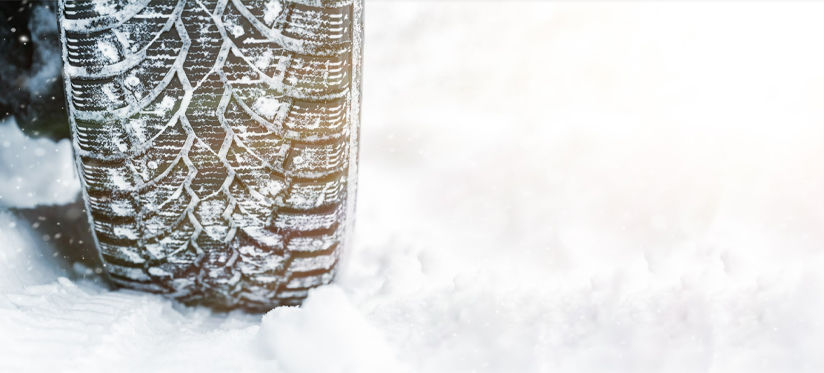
(22, 159)
(544, 188)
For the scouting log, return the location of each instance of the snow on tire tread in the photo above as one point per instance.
(216, 141)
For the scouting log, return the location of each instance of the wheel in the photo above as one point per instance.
(216, 141)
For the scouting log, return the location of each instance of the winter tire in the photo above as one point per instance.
(216, 141)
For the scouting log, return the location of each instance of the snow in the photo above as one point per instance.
(132, 81)
(105, 7)
(266, 106)
(545, 187)
(263, 60)
(271, 12)
(166, 104)
(108, 51)
(22, 262)
(22, 159)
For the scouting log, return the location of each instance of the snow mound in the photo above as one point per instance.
(328, 325)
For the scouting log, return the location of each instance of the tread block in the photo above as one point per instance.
(315, 160)
(300, 281)
(316, 116)
(306, 195)
(296, 221)
(316, 263)
(211, 173)
(205, 40)
(106, 178)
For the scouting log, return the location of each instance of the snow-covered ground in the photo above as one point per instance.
(596, 187)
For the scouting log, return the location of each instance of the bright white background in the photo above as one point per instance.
(545, 187)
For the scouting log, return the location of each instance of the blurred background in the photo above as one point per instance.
(30, 82)
(583, 187)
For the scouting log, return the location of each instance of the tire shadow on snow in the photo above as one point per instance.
(65, 230)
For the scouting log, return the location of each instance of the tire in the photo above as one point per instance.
(216, 141)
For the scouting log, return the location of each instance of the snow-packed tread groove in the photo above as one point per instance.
(215, 140)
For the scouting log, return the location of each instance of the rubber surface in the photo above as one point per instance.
(216, 142)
